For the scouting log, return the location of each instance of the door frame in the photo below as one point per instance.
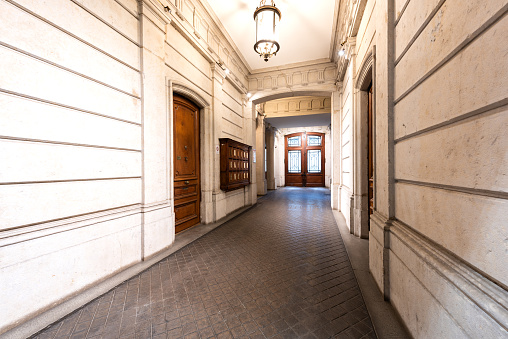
(206, 149)
(188, 198)
(360, 216)
(304, 149)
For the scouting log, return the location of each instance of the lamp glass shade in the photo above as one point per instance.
(267, 31)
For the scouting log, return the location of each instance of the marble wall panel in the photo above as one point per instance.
(471, 226)
(30, 119)
(35, 203)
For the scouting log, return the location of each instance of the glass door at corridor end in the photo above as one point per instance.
(305, 159)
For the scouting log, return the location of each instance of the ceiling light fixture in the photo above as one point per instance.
(267, 19)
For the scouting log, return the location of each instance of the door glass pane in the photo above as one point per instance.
(295, 161)
(314, 140)
(314, 161)
(294, 141)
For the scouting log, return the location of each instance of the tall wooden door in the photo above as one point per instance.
(186, 160)
(305, 159)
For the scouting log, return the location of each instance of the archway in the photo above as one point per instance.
(309, 107)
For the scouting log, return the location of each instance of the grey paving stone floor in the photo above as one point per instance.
(279, 270)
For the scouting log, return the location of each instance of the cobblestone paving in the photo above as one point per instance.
(280, 270)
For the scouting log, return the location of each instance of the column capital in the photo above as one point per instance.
(162, 12)
(218, 73)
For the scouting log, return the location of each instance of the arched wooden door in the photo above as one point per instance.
(305, 159)
(186, 162)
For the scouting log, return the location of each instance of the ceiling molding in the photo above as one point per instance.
(224, 32)
(294, 106)
(293, 78)
(200, 27)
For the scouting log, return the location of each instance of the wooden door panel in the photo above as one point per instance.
(186, 161)
(185, 211)
(185, 142)
(311, 171)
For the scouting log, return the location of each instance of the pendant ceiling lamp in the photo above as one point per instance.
(267, 19)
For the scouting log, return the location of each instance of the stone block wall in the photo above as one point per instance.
(86, 136)
(438, 236)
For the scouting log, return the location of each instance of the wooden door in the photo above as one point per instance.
(371, 155)
(305, 159)
(186, 160)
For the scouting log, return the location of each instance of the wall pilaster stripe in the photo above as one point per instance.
(420, 29)
(234, 136)
(29, 236)
(402, 12)
(489, 109)
(479, 288)
(72, 35)
(229, 95)
(231, 122)
(5, 137)
(232, 110)
(469, 39)
(186, 78)
(66, 180)
(105, 22)
(147, 18)
(67, 69)
(29, 97)
(126, 9)
(466, 190)
(27, 228)
(190, 62)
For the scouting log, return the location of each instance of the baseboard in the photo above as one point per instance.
(471, 301)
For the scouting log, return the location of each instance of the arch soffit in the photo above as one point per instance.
(365, 76)
(190, 94)
(283, 95)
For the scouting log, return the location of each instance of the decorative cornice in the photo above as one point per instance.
(199, 25)
(291, 78)
(218, 73)
(163, 13)
(189, 93)
(302, 105)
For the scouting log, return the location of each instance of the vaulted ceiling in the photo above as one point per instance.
(306, 29)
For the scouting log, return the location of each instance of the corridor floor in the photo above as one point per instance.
(279, 270)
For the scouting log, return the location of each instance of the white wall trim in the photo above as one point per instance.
(365, 75)
(189, 93)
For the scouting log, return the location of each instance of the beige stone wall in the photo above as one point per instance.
(71, 149)
(450, 122)
(441, 122)
(437, 239)
(86, 138)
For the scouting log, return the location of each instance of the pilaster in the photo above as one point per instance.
(270, 155)
(260, 155)
(336, 152)
(218, 196)
(157, 211)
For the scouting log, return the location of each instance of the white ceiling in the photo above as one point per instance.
(305, 29)
(301, 121)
